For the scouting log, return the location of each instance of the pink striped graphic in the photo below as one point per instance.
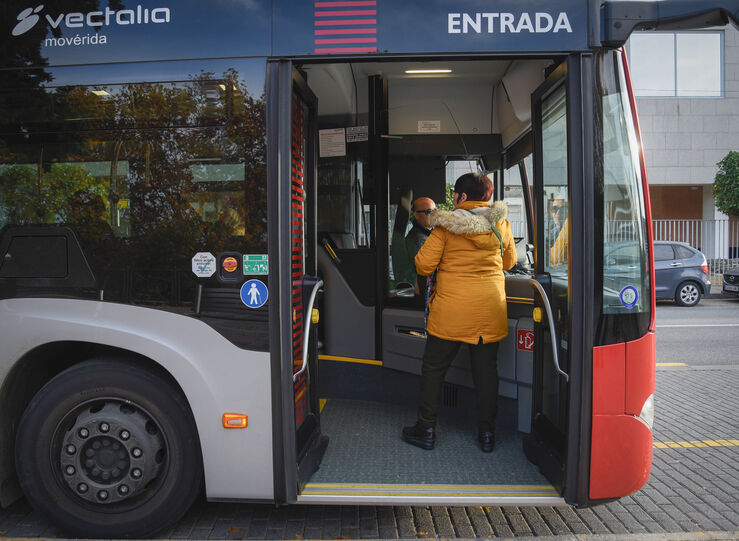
(344, 26)
(353, 13)
(345, 31)
(336, 41)
(347, 21)
(347, 50)
(357, 3)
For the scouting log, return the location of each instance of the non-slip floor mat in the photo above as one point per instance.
(365, 447)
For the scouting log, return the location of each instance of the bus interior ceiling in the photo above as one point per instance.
(473, 113)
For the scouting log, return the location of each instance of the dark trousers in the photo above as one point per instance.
(437, 357)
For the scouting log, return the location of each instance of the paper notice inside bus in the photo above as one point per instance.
(357, 134)
(429, 126)
(332, 142)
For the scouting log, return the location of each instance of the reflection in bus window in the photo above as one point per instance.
(145, 174)
(625, 269)
(554, 159)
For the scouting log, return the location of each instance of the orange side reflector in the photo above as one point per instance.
(235, 420)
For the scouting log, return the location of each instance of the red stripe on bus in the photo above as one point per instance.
(355, 3)
(347, 31)
(334, 41)
(353, 13)
(347, 50)
(352, 22)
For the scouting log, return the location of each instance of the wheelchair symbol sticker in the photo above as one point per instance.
(254, 294)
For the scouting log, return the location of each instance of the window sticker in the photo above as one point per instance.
(203, 264)
(230, 264)
(256, 264)
(254, 294)
(629, 297)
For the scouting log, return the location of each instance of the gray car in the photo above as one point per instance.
(731, 282)
(681, 273)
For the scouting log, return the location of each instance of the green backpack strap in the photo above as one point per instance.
(500, 239)
(497, 234)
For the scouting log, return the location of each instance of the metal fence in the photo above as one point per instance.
(717, 239)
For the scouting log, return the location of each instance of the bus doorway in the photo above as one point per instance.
(388, 133)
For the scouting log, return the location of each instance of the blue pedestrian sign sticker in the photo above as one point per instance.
(629, 297)
(254, 294)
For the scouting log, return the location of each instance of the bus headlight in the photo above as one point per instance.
(647, 411)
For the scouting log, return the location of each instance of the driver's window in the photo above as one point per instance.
(513, 197)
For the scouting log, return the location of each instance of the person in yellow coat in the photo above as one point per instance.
(468, 248)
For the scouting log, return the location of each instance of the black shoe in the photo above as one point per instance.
(420, 436)
(486, 441)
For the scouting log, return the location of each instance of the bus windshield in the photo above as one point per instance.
(625, 271)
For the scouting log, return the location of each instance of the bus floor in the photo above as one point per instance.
(366, 457)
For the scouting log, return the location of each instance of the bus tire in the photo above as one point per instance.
(688, 293)
(109, 449)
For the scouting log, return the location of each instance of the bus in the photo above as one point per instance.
(202, 280)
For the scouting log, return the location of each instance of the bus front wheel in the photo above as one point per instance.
(109, 449)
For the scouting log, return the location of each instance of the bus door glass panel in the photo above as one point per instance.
(626, 295)
(302, 240)
(552, 249)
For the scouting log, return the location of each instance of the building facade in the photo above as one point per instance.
(687, 87)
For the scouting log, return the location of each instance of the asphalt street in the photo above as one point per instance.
(706, 334)
(693, 491)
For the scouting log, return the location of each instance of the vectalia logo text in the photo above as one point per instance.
(94, 19)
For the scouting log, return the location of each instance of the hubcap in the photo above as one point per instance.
(689, 294)
(111, 451)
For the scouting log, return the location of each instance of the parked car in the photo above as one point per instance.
(731, 282)
(681, 273)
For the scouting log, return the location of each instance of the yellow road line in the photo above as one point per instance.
(349, 360)
(695, 443)
(520, 300)
(672, 364)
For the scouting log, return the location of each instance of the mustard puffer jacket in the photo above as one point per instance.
(468, 302)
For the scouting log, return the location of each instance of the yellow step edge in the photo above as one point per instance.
(435, 494)
(422, 485)
(349, 360)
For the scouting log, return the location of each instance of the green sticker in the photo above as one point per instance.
(256, 264)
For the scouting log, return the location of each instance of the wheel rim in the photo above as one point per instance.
(110, 451)
(689, 294)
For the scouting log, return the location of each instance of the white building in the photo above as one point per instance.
(687, 87)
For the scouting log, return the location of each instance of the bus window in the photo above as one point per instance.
(514, 198)
(625, 263)
(146, 175)
(554, 153)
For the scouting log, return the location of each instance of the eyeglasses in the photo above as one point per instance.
(426, 211)
(558, 208)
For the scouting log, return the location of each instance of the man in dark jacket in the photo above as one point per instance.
(422, 208)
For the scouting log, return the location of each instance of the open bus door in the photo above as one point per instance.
(293, 128)
(554, 443)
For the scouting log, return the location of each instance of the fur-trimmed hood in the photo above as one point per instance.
(470, 221)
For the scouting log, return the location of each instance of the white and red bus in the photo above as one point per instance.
(201, 280)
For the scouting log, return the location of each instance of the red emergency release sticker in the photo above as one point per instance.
(230, 264)
(525, 340)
